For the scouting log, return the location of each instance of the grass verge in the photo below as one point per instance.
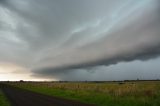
(3, 99)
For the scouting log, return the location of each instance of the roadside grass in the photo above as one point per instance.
(101, 94)
(3, 99)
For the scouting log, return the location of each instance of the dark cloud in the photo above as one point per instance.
(66, 37)
(121, 71)
(139, 40)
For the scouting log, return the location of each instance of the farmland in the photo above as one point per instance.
(138, 93)
(3, 99)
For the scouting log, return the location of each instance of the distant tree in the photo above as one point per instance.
(21, 81)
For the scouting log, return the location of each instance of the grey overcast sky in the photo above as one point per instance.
(79, 39)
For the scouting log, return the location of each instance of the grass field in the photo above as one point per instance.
(141, 93)
(3, 99)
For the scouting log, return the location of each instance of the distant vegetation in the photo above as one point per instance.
(3, 99)
(138, 93)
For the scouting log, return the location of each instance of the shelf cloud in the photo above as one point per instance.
(56, 39)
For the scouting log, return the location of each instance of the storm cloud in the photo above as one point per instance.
(60, 38)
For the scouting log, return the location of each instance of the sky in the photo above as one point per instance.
(79, 40)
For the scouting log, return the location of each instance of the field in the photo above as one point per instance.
(138, 93)
(3, 99)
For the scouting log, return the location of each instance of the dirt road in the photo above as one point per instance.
(19, 97)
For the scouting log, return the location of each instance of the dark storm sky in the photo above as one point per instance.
(79, 39)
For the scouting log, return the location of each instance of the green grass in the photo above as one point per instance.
(103, 94)
(3, 100)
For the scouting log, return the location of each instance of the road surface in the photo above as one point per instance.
(20, 97)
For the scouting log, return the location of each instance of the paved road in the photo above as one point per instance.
(19, 97)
